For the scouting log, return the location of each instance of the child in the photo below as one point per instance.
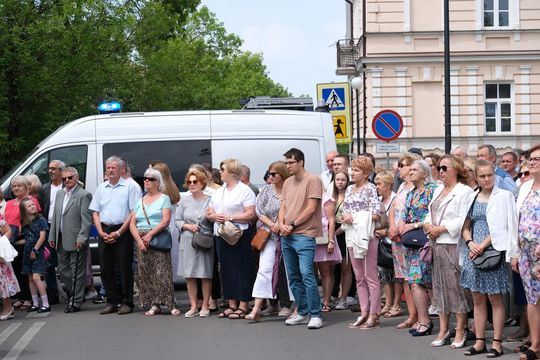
(34, 228)
(8, 282)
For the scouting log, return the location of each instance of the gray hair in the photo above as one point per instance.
(156, 175)
(21, 179)
(58, 163)
(246, 171)
(491, 149)
(116, 159)
(459, 147)
(72, 170)
(427, 169)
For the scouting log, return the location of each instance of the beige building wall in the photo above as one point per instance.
(403, 66)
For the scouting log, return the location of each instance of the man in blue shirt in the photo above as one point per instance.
(112, 205)
(503, 180)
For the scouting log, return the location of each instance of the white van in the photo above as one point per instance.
(255, 137)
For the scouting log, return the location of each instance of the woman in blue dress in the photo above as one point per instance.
(492, 220)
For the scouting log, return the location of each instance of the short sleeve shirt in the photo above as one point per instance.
(231, 202)
(154, 212)
(295, 196)
(114, 203)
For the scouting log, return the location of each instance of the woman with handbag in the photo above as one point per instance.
(489, 228)
(267, 207)
(384, 181)
(443, 224)
(232, 209)
(361, 200)
(410, 226)
(149, 227)
(196, 250)
(525, 252)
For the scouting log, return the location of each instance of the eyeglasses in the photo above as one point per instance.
(192, 182)
(524, 173)
(272, 174)
(149, 179)
(401, 165)
(290, 162)
(534, 159)
(444, 168)
(67, 178)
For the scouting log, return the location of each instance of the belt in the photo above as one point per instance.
(108, 228)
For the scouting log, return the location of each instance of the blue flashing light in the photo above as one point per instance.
(109, 107)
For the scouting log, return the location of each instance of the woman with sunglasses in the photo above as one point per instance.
(234, 202)
(266, 286)
(195, 263)
(491, 221)
(524, 174)
(401, 268)
(151, 215)
(526, 252)
(444, 221)
(432, 160)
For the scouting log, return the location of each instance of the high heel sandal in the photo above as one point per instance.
(394, 312)
(254, 315)
(444, 341)
(371, 323)
(359, 322)
(427, 331)
(406, 324)
(459, 345)
(494, 353)
(415, 327)
(472, 350)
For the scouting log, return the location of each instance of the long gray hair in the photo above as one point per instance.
(425, 168)
(156, 175)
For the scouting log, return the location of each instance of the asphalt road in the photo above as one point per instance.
(90, 336)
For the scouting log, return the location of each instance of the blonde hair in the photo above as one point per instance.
(233, 167)
(385, 177)
(35, 184)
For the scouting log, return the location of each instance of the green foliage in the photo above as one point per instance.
(60, 58)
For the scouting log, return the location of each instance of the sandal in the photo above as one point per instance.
(394, 312)
(529, 355)
(406, 324)
(385, 310)
(154, 310)
(523, 347)
(238, 314)
(358, 323)
(326, 308)
(255, 315)
(228, 312)
(494, 353)
(175, 312)
(371, 323)
(472, 350)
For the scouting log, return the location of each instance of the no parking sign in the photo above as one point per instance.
(387, 125)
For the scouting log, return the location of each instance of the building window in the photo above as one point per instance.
(498, 107)
(496, 13)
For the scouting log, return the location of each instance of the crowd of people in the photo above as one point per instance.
(452, 234)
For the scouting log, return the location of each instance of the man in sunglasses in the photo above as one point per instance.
(69, 232)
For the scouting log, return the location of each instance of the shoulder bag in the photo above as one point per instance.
(228, 230)
(414, 239)
(259, 240)
(202, 241)
(384, 248)
(161, 241)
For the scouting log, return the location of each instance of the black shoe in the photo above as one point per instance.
(32, 308)
(427, 331)
(44, 309)
(72, 309)
(99, 299)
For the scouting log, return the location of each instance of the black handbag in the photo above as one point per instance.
(489, 260)
(384, 255)
(414, 239)
(161, 241)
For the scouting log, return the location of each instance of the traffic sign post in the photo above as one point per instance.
(387, 125)
(337, 97)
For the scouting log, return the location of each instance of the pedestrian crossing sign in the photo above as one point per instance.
(337, 97)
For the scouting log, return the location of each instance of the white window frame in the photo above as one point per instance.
(500, 101)
(513, 16)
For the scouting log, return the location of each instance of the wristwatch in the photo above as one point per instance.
(416, 225)
(35, 251)
(292, 224)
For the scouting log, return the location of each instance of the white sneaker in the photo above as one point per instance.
(297, 320)
(351, 301)
(284, 312)
(315, 323)
(433, 311)
(341, 305)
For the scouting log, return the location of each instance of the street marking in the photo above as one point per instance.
(7, 333)
(18, 348)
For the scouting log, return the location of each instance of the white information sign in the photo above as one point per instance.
(384, 147)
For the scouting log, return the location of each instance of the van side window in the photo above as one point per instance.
(179, 155)
(72, 155)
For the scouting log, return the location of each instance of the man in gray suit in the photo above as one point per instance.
(70, 228)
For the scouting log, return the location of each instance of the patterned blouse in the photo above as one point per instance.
(416, 204)
(267, 204)
(366, 199)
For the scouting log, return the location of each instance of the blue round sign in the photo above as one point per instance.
(387, 125)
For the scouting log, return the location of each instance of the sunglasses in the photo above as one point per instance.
(149, 179)
(67, 178)
(221, 169)
(524, 173)
(401, 165)
(272, 174)
(444, 168)
(192, 182)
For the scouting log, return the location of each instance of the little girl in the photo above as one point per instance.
(34, 228)
(8, 282)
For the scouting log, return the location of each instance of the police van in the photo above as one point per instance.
(255, 137)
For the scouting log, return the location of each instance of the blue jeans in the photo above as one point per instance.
(299, 253)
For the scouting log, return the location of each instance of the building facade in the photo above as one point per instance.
(396, 47)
